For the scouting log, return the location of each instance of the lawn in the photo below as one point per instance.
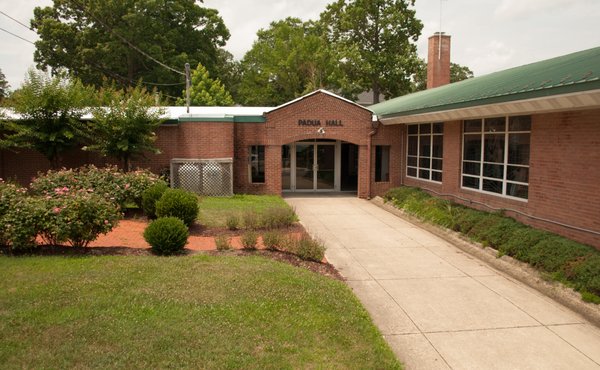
(191, 312)
(215, 210)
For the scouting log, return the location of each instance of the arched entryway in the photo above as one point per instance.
(319, 165)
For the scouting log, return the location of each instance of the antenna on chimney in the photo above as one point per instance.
(440, 33)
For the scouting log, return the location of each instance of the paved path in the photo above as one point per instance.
(438, 307)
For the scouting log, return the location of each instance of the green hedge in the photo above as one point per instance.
(572, 263)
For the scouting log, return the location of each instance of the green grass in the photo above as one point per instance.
(572, 263)
(180, 312)
(215, 210)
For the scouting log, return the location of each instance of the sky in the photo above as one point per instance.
(487, 35)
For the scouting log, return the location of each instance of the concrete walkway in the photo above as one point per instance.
(438, 307)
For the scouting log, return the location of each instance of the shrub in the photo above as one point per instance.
(167, 235)
(139, 181)
(276, 217)
(251, 220)
(310, 249)
(586, 274)
(77, 218)
(178, 203)
(249, 239)
(223, 243)
(20, 224)
(150, 196)
(10, 194)
(232, 222)
(551, 254)
(273, 239)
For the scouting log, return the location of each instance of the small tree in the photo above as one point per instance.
(205, 91)
(3, 86)
(124, 127)
(51, 109)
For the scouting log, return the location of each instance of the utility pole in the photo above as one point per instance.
(188, 82)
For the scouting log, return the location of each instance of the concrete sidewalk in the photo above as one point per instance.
(438, 307)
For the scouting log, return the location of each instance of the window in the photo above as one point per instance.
(382, 163)
(425, 150)
(256, 165)
(496, 155)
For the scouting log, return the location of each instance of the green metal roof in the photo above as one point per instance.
(570, 73)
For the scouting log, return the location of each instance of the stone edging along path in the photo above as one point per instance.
(505, 264)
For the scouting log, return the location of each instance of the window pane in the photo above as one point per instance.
(516, 190)
(411, 161)
(493, 170)
(493, 186)
(438, 146)
(438, 128)
(436, 164)
(424, 162)
(519, 123)
(286, 167)
(425, 128)
(436, 176)
(425, 146)
(472, 125)
(471, 168)
(519, 174)
(382, 163)
(518, 148)
(424, 174)
(472, 148)
(257, 163)
(413, 141)
(413, 129)
(470, 182)
(411, 172)
(497, 124)
(494, 148)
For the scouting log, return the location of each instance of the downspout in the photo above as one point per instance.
(375, 126)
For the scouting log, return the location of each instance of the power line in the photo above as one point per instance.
(82, 8)
(16, 20)
(10, 33)
(123, 78)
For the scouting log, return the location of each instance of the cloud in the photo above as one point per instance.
(490, 57)
(523, 8)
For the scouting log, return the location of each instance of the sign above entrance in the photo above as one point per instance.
(317, 122)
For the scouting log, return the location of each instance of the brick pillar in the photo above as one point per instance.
(363, 177)
(273, 169)
(438, 60)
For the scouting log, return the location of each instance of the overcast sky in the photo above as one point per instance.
(487, 35)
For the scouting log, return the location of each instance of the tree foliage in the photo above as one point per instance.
(124, 126)
(457, 73)
(205, 91)
(3, 86)
(87, 38)
(51, 109)
(290, 58)
(374, 41)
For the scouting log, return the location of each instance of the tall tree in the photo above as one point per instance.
(288, 59)
(124, 126)
(51, 109)
(3, 86)
(457, 73)
(229, 72)
(94, 39)
(205, 91)
(374, 41)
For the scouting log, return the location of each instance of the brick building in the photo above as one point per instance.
(525, 140)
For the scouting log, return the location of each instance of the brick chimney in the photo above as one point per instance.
(438, 60)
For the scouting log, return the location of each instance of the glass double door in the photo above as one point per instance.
(315, 166)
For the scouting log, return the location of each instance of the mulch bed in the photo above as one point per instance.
(127, 240)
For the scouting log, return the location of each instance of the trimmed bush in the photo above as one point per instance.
(223, 243)
(178, 203)
(276, 217)
(150, 196)
(20, 225)
(167, 235)
(232, 222)
(249, 239)
(310, 249)
(273, 240)
(554, 253)
(251, 220)
(520, 242)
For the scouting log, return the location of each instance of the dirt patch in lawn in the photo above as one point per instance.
(127, 240)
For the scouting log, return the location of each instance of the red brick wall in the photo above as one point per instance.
(438, 61)
(564, 183)
(392, 136)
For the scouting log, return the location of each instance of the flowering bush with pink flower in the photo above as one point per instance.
(20, 216)
(108, 182)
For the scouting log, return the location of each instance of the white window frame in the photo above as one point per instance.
(482, 162)
(418, 167)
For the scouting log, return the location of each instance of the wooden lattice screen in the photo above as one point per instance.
(212, 177)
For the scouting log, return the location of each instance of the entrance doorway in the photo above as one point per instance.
(319, 166)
